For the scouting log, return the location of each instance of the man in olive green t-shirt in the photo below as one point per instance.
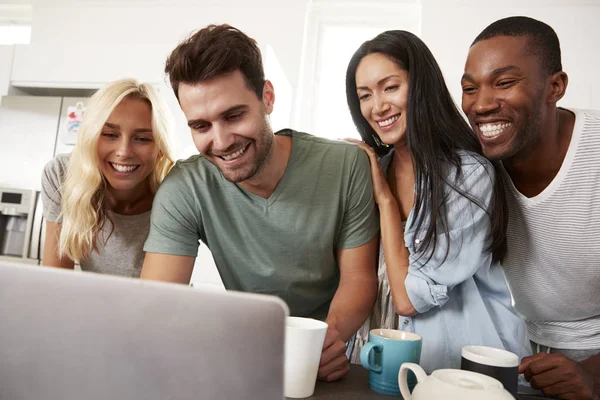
(286, 214)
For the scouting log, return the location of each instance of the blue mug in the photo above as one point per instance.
(384, 353)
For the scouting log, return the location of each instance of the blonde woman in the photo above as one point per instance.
(97, 200)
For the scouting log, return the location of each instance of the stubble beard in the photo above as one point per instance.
(253, 167)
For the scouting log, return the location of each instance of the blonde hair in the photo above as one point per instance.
(83, 192)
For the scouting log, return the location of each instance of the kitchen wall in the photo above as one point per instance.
(449, 27)
(87, 42)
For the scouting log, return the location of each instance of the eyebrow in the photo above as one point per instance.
(495, 72)
(232, 109)
(137, 130)
(379, 82)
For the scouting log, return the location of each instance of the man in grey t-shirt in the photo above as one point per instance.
(286, 214)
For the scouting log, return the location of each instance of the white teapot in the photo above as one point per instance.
(450, 384)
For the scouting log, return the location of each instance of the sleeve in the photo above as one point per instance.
(175, 222)
(52, 180)
(429, 281)
(360, 221)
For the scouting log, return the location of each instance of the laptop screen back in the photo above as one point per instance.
(71, 335)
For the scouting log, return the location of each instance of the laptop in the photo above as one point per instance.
(68, 335)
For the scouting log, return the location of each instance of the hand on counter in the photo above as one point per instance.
(558, 376)
(334, 363)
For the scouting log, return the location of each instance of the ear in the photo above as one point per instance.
(268, 96)
(558, 86)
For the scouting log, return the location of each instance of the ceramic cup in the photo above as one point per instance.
(496, 363)
(304, 339)
(383, 355)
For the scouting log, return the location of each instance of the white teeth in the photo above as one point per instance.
(493, 129)
(388, 121)
(123, 168)
(235, 155)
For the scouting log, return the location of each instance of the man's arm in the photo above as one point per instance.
(350, 306)
(558, 376)
(168, 268)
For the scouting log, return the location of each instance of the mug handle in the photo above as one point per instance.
(365, 356)
(403, 378)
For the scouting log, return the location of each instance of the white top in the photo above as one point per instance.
(553, 260)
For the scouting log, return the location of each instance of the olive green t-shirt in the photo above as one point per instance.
(285, 245)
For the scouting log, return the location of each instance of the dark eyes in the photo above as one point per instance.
(200, 127)
(235, 116)
(113, 135)
(389, 88)
(507, 83)
(503, 84)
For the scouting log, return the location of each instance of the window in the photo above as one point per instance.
(338, 43)
(15, 22)
(334, 32)
(15, 34)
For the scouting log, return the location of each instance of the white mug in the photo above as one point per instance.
(304, 339)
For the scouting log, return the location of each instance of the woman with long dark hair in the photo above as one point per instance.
(442, 207)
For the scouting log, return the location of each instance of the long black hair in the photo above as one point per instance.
(435, 132)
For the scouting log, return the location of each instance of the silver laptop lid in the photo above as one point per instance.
(70, 335)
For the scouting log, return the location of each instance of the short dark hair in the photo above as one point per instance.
(543, 41)
(213, 51)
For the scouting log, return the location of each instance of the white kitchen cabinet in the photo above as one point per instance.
(76, 65)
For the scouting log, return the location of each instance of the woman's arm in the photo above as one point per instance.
(50, 257)
(396, 255)
(462, 252)
(392, 235)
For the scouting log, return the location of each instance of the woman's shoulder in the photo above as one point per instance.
(58, 165)
(473, 166)
(55, 171)
(475, 175)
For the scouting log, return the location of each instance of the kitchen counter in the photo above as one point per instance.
(355, 386)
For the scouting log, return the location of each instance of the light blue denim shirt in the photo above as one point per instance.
(464, 300)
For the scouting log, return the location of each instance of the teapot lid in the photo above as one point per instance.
(467, 380)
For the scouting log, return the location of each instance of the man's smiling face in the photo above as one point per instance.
(229, 123)
(504, 91)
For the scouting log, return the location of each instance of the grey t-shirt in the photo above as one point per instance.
(122, 254)
(284, 245)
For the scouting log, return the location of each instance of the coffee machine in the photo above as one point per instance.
(17, 211)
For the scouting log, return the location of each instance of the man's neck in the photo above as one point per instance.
(265, 182)
(532, 173)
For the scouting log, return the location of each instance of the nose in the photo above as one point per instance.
(485, 101)
(222, 139)
(123, 147)
(380, 105)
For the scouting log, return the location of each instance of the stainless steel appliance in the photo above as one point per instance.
(20, 225)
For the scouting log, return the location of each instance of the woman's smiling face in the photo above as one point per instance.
(127, 152)
(382, 89)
